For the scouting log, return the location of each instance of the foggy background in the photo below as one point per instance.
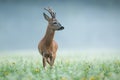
(89, 24)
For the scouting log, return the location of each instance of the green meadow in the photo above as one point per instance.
(68, 66)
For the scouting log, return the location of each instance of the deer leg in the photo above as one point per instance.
(44, 61)
(48, 60)
(51, 61)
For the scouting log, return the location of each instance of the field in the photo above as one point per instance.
(68, 66)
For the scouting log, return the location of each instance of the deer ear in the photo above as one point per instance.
(46, 17)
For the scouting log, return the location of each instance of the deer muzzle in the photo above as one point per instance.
(61, 28)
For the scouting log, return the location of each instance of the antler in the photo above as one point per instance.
(52, 13)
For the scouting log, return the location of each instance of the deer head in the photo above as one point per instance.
(52, 22)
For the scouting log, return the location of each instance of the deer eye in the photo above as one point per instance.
(55, 23)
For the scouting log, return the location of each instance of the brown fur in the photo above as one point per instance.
(47, 46)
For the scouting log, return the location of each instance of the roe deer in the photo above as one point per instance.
(47, 46)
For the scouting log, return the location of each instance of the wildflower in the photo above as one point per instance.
(92, 78)
(63, 78)
(110, 74)
(117, 62)
(6, 73)
(37, 70)
(13, 63)
(84, 78)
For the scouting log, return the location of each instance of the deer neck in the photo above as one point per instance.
(49, 36)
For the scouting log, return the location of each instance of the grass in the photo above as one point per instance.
(66, 67)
